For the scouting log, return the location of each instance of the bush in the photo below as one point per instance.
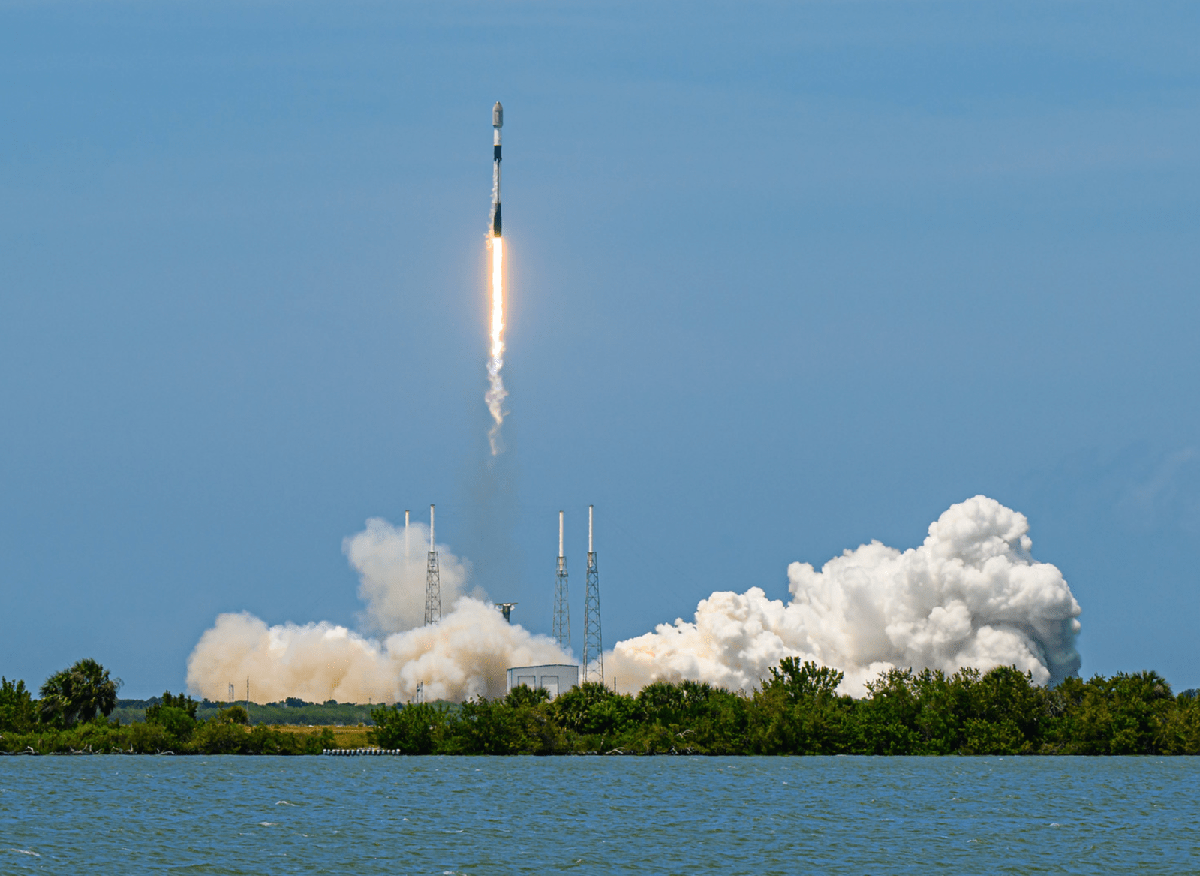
(416, 728)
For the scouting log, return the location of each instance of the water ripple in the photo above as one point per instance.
(234, 815)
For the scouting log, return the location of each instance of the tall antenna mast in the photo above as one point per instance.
(562, 608)
(593, 643)
(433, 581)
(404, 568)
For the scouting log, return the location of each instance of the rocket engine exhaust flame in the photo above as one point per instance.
(496, 392)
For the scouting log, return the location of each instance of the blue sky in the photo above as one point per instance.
(786, 277)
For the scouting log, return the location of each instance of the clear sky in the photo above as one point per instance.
(786, 277)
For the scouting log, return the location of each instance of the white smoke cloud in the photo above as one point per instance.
(391, 565)
(970, 595)
(466, 654)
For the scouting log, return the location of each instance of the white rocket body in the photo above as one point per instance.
(497, 124)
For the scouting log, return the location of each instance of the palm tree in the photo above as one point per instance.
(78, 693)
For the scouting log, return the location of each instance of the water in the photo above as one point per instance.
(443, 815)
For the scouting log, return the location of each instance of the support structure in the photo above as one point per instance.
(562, 608)
(505, 609)
(433, 581)
(593, 642)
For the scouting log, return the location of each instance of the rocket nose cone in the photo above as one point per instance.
(497, 116)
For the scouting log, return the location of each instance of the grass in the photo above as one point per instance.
(344, 737)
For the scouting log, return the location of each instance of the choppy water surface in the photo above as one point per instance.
(598, 815)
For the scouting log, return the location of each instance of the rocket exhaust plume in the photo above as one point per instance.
(971, 595)
(496, 392)
(392, 654)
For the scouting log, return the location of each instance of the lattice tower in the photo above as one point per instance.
(593, 642)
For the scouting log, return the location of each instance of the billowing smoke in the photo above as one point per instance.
(466, 654)
(970, 595)
(391, 563)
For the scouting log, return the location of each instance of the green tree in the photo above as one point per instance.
(1180, 732)
(415, 728)
(674, 703)
(220, 737)
(17, 712)
(797, 711)
(716, 725)
(592, 710)
(1124, 714)
(232, 715)
(1002, 711)
(803, 681)
(688, 717)
(888, 716)
(184, 703)
(1141, 703)
(938, 717)
(487, 727)
(78, 694)
(524, 695)
(175, 714)
(145, 738)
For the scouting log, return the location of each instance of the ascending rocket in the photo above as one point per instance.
(497, 124)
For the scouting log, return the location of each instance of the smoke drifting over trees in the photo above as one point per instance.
(971, 595)
(464, 655)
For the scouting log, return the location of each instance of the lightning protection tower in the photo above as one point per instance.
(562, 608)
(593, 644)
(433, 581)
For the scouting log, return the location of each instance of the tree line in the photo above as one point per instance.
(796, 711)
(72, 716)
(291, 710)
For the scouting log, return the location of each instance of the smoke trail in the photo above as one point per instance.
(466, 654)
(970, 595)
(496, 392)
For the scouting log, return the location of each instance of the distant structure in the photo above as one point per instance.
(554, 678)
(506, 610)
(433, 581)
(562, 609)
(593, 643)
